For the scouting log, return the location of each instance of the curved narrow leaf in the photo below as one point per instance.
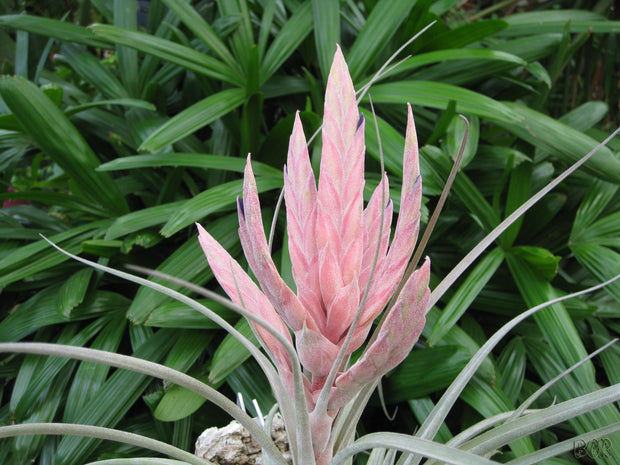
(438, 95)
(294, 31)
(212, 200)
(168, 51)
(453, 54)
(53, 28)
(562, 141)
(381, 24)
(536, 22)
(601, 262)
(90, 68)
(193, 118)
(326, 14)
(195, 23)
(466, 293)
(195, 160)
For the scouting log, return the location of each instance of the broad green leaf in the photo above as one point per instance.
(179, 402)
(536, 22)
(460, 72)
(294, 31)
(597, 197)
(53, 28)
(178, 315)
(193, 118)
(476, 280)
(512, 365)
(101, 247)
(585, 116)
(609, 356)
(561, 141)
(195, 160)
(459, 338)
(453, 54)
(490, 400)
(167, 50)
(605, 231)
(463, 187)
(541, 261)
(59, 199)
(125, 102)
(73, 291)
(326, 16)
(142, 219)
(438, 95)
(188, 347)
(380, 25)
(89, 68)
(230, 354)
(54, 134)
(125, 15)
(465, 35)
(269, 10)
(412, 378)
(554, 322)
(602, 262)
(45, 412)
(519, 189)
(212, 200)
(393, 143)
(30, 386)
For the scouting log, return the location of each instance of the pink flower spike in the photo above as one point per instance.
(339, 233)
(342, 263)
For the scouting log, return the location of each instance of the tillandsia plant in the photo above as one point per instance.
(344, 271)
(328, 313)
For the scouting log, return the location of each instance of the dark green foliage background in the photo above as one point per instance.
(120, 135)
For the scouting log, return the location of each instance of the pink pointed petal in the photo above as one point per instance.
(372, 223)
(341, 180)
(242, 291)
(407, 227)
(400, 330)
(254, 243)
(322, 441)
(408, 224)
(316, 352)
(300, 197)
(341, 311)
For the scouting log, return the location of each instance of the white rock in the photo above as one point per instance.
(233, 445)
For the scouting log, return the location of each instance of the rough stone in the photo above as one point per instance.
(233, 445)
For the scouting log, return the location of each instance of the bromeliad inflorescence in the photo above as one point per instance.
(344, 267)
